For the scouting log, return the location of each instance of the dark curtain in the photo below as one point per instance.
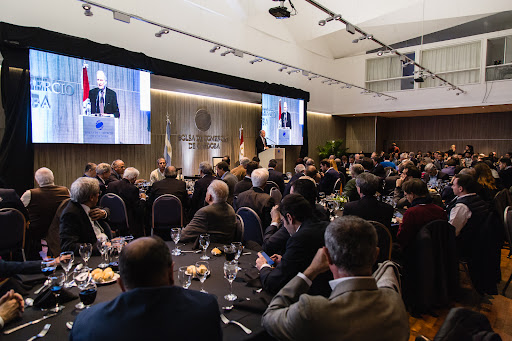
(16, 149)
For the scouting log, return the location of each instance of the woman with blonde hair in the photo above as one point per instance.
(487, 185)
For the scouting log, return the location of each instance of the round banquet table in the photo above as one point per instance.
(215, 284)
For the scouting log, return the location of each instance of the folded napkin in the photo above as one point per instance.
(46, 299)
(32, 279)
(252, 277)
(257, 305)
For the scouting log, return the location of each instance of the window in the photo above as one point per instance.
(458, 64)
(389, 74)
(499, 59)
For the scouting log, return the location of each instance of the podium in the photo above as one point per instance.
(98, 129)
(284, 136)
(273, 153)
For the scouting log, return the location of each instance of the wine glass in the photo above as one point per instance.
(48, 266)
(204, 242)
(103, 247)
(81, 277)
(85, 252)
(128, 239)
(184, 277)
(229, 252)
(202, 271)
(87, 293)
(175, 235)
(230, 271)
(115, 250)
(57, 282)
(66, 261)
(239, 248)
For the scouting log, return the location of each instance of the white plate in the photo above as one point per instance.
(114, 279)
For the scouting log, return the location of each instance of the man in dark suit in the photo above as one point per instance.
(432, 174)
(150, 303)
(261, 142)
(256, 198)
(103, 100)
(217, 219)
(246, 183)
(368, 207)
(299, 171)
(306, 237)
(117, 170)
(103, 171)
(286, 118)
(127, 190)
(330, 175)
(169, 185)
(505, 172)
(80, 221)
(10, 199)
(274, 175)
(200, 187)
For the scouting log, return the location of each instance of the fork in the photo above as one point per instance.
(226, 321)
(42, 333)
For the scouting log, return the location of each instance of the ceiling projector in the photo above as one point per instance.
(280, 12)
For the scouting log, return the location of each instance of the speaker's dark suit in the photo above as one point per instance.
(369, 208)
(261, 143)
(168, 186)
(110, 106)
(158, 313)
(75, 228)
(301, 248)
(200, 188)
(288, 122)
(134, 207)
(277, 177)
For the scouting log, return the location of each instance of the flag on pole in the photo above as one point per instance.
(86, 103)
(168, 147)
(242, 154)
(279, 110)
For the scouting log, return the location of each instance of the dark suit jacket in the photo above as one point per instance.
(506, 178)
(200, 188)
(288, 120)
(114, 176)
(244, 185)
(75, 228)
(277, 177)
(218, 220)
(327, 183)
(168, 186)
(10, 199)
(110, 106)
(260, 146)
(8, 269)
(301, 248)
(378, 171)
(157, 313)
(259, 201)
(134, 206)
(369, 208)
(288, 186)
(231, 181)
(440, 176)
(103, 186)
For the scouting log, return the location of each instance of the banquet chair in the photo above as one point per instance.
(12, 231)
(53, 236)
(252, 225)
(276, 195)
(508, 228)
(270, 185)
(118, 217)
(167, 212)
(239, 234)
(384, 241)
(337, 186)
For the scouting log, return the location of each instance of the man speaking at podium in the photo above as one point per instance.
(103, 100)
(261, 142)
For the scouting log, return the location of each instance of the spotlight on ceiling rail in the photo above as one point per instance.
(87, 10)
(161, 32)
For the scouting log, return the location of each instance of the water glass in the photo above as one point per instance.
(184, 277)
(202, 273)
(128, 239)
(85, 252)
(239, 248)
(175, 235)
(81, 277)
(66, 261)
(48, 266)
(56, 284)
(229, 252)
(230, 271)
(87, 294)
(204, 242)
(103, 247)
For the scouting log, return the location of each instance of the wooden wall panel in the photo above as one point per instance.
(360, 134)
(322, 128)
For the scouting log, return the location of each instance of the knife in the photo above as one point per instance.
(29, 323)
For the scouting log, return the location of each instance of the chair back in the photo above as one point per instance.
(507, 218)
(239, 234)
(270, 185)
(12, 231)
(337, 186)
(252, 225)
(167, 212)
(53, 236)
(276, 195)
(118, 217)
(384, 241)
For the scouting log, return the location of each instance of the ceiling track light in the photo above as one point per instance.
(292, 71)
(225, 53)
(283, 68)
(349, 86)
(380, 53)
(161, 32)
(87, 10)
(257, 60)
(311, 77)
(305, 73)
(326, 80)
(215, 48)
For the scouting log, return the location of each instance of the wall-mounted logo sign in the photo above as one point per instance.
(203, 120)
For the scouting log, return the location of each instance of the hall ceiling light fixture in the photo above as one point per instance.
(312, 77)
(161, 32)
(215, 48)
(257, 60)
(293, 71)
(87, 10)
(283, 68)
(225, 53)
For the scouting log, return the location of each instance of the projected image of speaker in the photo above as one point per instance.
(80, 101)
(283, 120)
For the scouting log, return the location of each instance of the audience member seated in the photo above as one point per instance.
(117, 170)
(378, 169)
(158, 173)
(449, 168)
(486, 184)
(421, 212)
(150, 304)
(81, 221)
(312, 173)
(506, 172)
(10, 199)
(275, 176)
(306, 236)
(360, 306)
(103, 172)
(169, 185)
(246, 184)
(90, 170)
(299, 171)
(368, 207)
(217, 219)
(432, 174)
(256, 198)
(409, 172)
(329, 177)
(350, 189)
(225, 175)
(240, 171)
(41, 203)
(439, 160)
(200, 187)
(387, 162)
(12, 307)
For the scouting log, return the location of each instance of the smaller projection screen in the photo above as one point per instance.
(282, 119)
(79, 101)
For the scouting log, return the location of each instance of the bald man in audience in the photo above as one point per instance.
(41, 203)
(150, 305)
(217, 219)
(118, 168)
